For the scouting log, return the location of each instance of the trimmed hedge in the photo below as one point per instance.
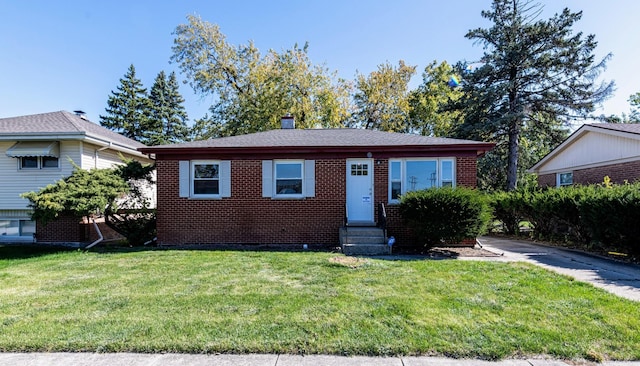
(445, 215)
(601, 215)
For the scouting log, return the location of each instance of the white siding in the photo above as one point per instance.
(88, 153)
(13, 181)
(94, 157)
(108, 158)
(69, 150)
(593, 149)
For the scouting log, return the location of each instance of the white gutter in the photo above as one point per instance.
(101, 238)
(74, 137)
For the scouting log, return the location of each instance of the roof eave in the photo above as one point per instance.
(74, 136)
(563, 145)
(584, 129)
(479, 148)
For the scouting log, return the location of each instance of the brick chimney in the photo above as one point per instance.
(288, 122)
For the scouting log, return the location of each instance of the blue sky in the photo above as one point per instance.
(67, 55)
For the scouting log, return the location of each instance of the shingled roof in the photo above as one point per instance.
(318, 138)
(624, 127)
(61, 125)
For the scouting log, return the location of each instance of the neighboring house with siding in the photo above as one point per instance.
(37, 150)
(293, 186)
(592, 152)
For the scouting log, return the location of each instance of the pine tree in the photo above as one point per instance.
(536, 73)
(127, 108)
(167, 115)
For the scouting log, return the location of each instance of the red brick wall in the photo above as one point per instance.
(247, 217)
(547, 180)
(65, 229)
(619, 173)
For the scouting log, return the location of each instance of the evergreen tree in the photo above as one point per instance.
(167, 116)
(634, 116)
(127, 108)
(535, 74)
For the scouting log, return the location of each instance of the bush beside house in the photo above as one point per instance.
(445, 216)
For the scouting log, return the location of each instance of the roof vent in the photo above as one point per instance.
(80, 114)
(288, 122)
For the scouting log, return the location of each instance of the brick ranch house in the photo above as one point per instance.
(295, 186)
(590, 153)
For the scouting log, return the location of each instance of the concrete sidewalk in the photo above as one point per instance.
(171, 359)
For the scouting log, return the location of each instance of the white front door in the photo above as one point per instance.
(360, 190)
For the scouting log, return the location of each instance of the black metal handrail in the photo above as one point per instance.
(382, 218)
(346, 215)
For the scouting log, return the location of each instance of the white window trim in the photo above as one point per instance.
(403, 188)
(441, 161)
(39, 164)
(192, 178)
(275, 178)
(558, 179)
(269, 179)
(185, 179)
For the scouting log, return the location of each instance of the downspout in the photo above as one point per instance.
(97, 155)
(100, 237)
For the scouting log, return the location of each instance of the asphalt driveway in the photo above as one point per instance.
(619, 278)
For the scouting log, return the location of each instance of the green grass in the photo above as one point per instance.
(278, 302)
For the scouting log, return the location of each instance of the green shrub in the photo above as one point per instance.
(510, 208)
(596, 215)
(555, 213)
(445, 215)
(612, 215)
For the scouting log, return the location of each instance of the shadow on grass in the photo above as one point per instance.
(432, 254)
(25, 251)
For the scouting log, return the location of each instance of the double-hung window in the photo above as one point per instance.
(204, 179)
(407, 175)
(288, 179)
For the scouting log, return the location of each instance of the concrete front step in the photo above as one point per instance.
(365, 249)
(363, 241)
(354, 232)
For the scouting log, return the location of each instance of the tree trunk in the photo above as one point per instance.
(512, 155)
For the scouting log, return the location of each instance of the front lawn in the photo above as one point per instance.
(278, 302)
